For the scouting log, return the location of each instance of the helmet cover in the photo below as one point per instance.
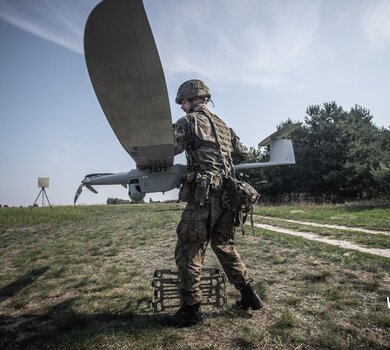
(191, 89)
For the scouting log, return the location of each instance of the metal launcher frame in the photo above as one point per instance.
(166, 294)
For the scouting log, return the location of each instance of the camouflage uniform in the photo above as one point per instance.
(211, 150)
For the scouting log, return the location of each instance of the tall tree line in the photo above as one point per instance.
(339, 155)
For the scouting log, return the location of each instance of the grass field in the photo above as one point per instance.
(80, 278)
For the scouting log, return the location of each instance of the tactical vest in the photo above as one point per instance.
(219, 139)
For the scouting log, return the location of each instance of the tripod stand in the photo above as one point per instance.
(44, 194)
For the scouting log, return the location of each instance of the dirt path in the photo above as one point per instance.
(314, 237)
(358, 229)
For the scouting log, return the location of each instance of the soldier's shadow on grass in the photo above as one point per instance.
(61, 321)
(64, 323)
(21, 283)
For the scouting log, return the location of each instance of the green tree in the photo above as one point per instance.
(339, 155)
(117, 201)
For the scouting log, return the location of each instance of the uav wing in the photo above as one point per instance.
(128, 79)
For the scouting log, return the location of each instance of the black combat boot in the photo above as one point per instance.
(249, 299)
(186, 316)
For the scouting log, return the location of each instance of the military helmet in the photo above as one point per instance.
(192, 88)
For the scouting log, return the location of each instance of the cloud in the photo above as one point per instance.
(58, 21)
(376, 25)
(247, 42)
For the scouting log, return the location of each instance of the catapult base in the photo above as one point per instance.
(166, 294)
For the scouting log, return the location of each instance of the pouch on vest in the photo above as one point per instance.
(202, 188)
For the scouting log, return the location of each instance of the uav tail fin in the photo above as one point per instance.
(281, 149)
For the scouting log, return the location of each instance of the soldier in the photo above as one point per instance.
(211, 149)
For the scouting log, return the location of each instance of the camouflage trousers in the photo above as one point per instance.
(199, 226)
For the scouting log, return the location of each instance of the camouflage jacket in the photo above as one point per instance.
(209, 145)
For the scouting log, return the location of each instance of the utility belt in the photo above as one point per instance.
(197, 187)
(235, 196)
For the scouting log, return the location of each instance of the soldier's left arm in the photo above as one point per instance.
(240, 152)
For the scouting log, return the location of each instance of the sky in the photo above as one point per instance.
(264, 61)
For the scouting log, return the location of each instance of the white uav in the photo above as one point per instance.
(128, 79)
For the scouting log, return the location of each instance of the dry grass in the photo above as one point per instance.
(86, 284)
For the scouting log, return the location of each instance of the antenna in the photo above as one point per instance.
(43, 182)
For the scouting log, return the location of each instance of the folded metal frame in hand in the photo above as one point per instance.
(166, 294)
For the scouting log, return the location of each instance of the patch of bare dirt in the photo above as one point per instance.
(315, 237)
(338, 227)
